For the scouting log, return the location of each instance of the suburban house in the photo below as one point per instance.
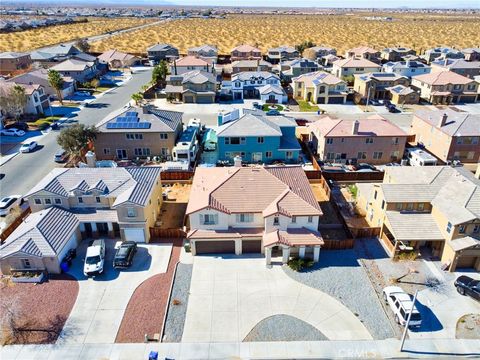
(192, 87)
(363, 52)
(250, 65)
(159, 52)
(446, 87)
(190, 63)
(374, 85)
(74, 203)
(13, 62)
(55, 53)
(297, 67)
(352, 66)
(138, 133)
(316, 53)
(273, 94)
(206, 52)
(117, 59)
(441, 53)
(469, 69)
(328, 60)
(37, 101)
(245, 52)
(78, 70)
(373, 140)
(268, 210)
(448, 134)
(282, 53)
(402, 95)
(246, 85)
(320, 88)
(471, 54)
(396, 54)
(257, 138)
(433, 208)
(407, 68)
(40, 77)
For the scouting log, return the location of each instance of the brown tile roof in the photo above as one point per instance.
(293, 237)
(191, 61)
(246, 48)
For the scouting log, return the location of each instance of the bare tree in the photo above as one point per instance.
(10, 312)
(13, 100)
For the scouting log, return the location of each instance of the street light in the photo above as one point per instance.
(408, 321)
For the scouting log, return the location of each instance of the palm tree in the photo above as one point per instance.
(56, 81)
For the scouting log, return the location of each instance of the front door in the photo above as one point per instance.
(256, 157)
(121, 154)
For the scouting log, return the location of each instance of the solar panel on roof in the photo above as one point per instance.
(131, 113)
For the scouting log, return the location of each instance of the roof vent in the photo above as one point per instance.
(443, 120)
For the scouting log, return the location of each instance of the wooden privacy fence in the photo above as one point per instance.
(338, 244)
(365, 232)
(177, 175)
(313, 174)
(167, 233)
(11, 228)
(353, 176)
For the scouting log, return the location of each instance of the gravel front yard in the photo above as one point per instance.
(177, 312)
(284, 328)
(40, 309)
(146, 309)
(340, 275)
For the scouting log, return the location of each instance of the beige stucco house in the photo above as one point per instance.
(364, 52)
(70, 204)
(320, 88)
(245, 52)
(195, 86)
(434, 208)
(374, 85)
(352, 66)
(13, 62)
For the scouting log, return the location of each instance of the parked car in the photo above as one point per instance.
(273, 113)
(124, 255)
(60, 156)
(13, 132)
(401, 304)
(467, 286)
(392, 108)
(82, 93)
(374, 102)
(17, 125)
(95, 258)
(8, 203)
(28, 146)
(363, 166)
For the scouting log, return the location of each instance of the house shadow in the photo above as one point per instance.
(430, 322)
(62, 110)
(370, 249)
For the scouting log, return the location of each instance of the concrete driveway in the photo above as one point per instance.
(101, 301)
(229, 295)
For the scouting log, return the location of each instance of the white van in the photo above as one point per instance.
(419, 157)
(95, 258)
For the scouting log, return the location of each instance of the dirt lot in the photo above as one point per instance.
(173, 209)
(40, 311)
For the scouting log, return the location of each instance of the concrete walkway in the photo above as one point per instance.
(372, 349)
(229, 295)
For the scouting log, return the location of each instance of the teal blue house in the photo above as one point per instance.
(257, 138)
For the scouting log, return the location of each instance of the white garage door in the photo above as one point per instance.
(137, 235)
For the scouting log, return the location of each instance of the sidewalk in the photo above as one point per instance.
(258, 350)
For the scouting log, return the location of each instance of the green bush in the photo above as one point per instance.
(297, 264)
(43, 126)
(187, 247)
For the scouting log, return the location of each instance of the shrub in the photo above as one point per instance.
(43, 126)
(187, 248)
(297, 264)
(176, 302)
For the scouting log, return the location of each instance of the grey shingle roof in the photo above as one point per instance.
(247, 75)
(249, 125)
(413, 226)
(160, 47)
(458, 123)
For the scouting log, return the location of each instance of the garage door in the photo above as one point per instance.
(321, 100)
(335, 100)
(215, 247)
(466, 262)
(132, 234)
(204, 99)
(251, 246)
(188, 99)
(468, 99)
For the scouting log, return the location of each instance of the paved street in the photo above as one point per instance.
(22, 172)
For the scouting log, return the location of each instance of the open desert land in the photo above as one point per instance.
(418, 31)
(36, 38)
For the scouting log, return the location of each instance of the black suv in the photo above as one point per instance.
(124, 255)
(467, 286)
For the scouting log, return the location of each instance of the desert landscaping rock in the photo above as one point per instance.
(177, 308)
(284, 328)
(340, 275)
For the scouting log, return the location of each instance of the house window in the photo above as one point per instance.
(260, 139)
(461, 229)
(383, 204)
(459, 141)
(310, 219)
(399, 206)
(142, 151)
(26, 264)
(375, 194)
(106, 151)
(97, 199)
(449, 227)
(395, 141)
(80, 200)
(361, 155)
(421, 207)
(244, 218)
(268, 154)
(38, 201)
(476, 229)
(410, 206)
(329, 140)
(294, 219)
(369, 140)
(377, 155)
(289, 154)
(58, 201)
(48, 201)
(134, 136)
(131, 212)
(208, 219)
(163, 136)
(330, 156)
(394, 155)
(276, 221)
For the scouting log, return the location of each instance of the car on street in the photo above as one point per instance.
(12, 132)
(124, 255)
(82, 93)
(392, 109)
(17, 125)
(60, 156)
(95, 258)
(467, 286)
(28, 146)
(374, 102)
(273, 113)
(7, 204)
(401, 304)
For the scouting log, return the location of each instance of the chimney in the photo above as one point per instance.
(237, 161)
(175, 67)
(407, 63)
(355, 127)
(445, 62)
(220, 119)
(91, 159)
(443, 120)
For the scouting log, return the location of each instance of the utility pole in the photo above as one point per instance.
(408, 321)
(368, 98)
